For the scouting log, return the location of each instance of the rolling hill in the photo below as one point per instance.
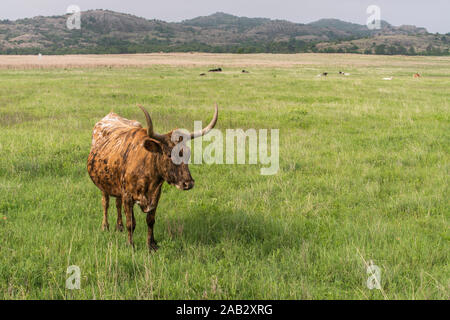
(104, 31)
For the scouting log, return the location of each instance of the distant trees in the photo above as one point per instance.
(391, 50)
(77, 44)
(380, 49)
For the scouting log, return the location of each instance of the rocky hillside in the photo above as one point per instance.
(105, 31)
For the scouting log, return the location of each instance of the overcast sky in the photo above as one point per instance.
(432, 14)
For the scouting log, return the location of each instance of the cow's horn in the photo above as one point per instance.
(208, 128)
(150, 131)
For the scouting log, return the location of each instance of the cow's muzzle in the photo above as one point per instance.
(185, 185)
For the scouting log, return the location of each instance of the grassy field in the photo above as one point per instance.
(364, 176)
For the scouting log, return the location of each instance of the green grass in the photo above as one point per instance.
(363, 175)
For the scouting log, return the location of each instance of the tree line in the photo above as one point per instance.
(117, 46)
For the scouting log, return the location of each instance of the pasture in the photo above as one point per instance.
(364, 176)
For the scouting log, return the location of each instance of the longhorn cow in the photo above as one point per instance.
(131, 164)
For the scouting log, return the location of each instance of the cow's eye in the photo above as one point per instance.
(181, 153)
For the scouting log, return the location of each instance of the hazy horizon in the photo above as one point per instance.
(414, 12)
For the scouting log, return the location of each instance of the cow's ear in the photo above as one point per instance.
(152, 145)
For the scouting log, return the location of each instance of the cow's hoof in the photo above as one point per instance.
(105, 227)
(153, 247)
(119, 227)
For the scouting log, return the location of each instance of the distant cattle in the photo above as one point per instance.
(416, 75)
(245, 71)
(202, 74)
(388, 79)
(216, 70)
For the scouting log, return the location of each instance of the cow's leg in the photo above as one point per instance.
(131, 222)
(151, 218)
(119, 226)
(150, 237)
(105, 203)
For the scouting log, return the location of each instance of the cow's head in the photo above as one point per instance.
(171, 159)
